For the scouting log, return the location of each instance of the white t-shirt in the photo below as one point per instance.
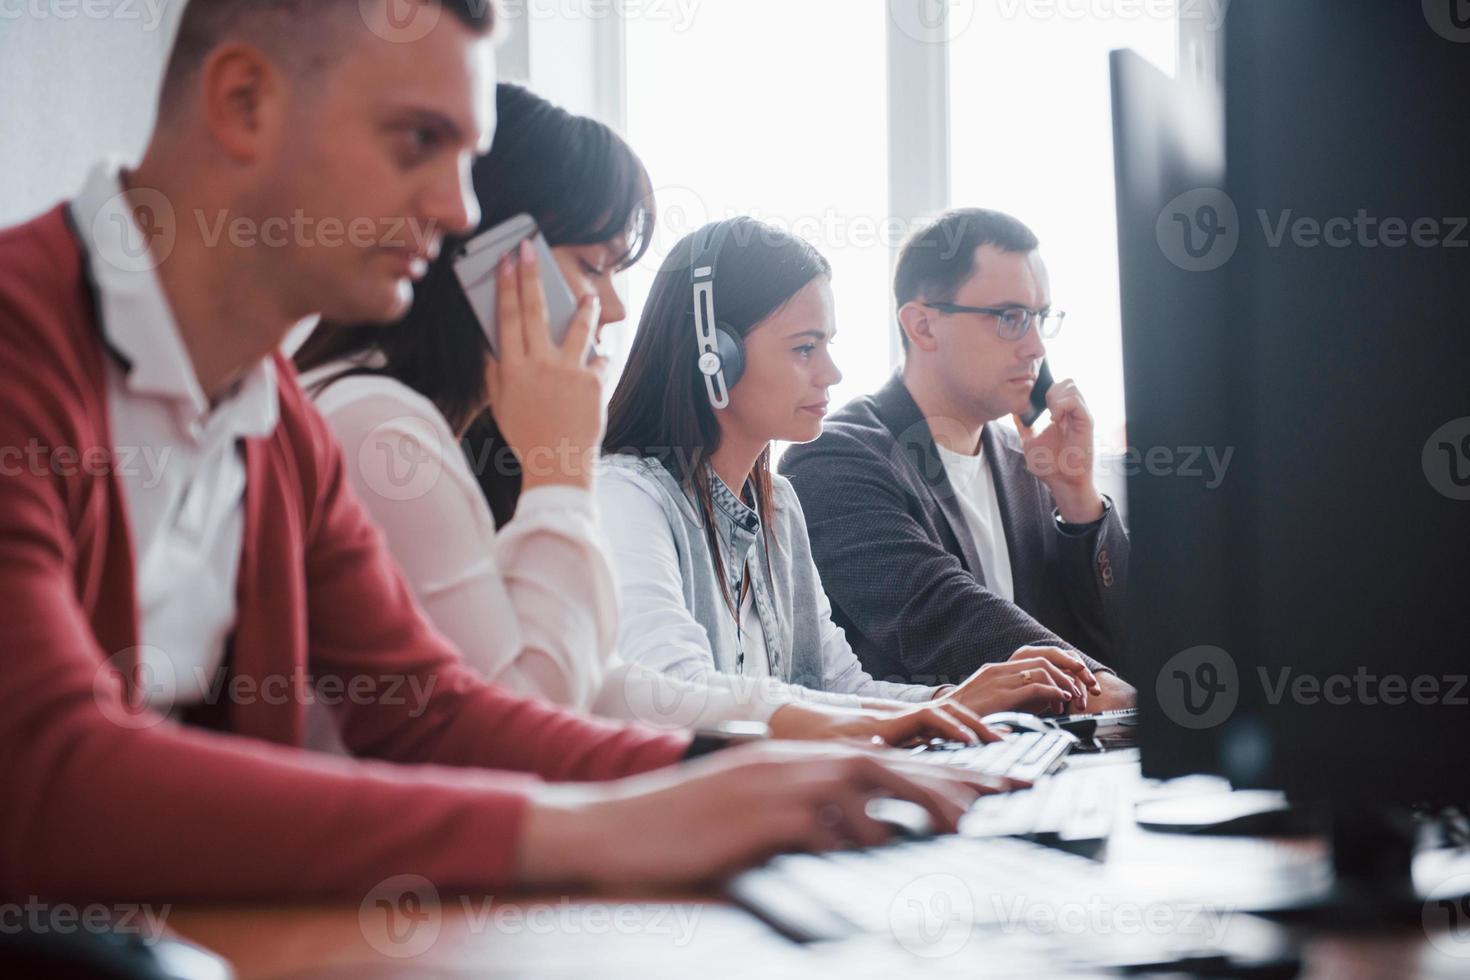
(753, 637)
(974, 487)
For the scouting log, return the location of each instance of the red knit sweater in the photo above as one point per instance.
(96, 808)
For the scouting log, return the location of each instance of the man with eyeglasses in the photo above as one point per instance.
(946, 540)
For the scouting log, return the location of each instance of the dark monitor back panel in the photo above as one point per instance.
(1354, 556)
(1169, 152)
(1329, 353)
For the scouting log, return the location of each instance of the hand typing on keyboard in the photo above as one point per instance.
(1036, 678)
(705, 819)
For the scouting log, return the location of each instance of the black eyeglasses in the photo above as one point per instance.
(1011, 322)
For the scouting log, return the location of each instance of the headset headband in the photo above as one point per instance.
(704, 258)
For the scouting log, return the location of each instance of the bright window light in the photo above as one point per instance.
(775, 109)
(1031, 135)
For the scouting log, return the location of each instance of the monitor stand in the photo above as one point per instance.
(1373, 863)
(1250, 812)
(1372, 854)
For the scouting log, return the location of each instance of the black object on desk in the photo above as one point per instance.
(104, 955)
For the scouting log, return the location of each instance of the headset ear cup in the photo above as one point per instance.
(732, 354)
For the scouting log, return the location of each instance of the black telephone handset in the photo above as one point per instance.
(1038, 395)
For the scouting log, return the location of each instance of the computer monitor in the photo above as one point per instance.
(1296, 321)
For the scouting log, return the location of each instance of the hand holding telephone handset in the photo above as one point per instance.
(1061, 455)
(481, 256)
(544, 389)
(1038, 394)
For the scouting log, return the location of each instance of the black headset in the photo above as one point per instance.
(721, 350)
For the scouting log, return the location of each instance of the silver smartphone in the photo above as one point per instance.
(475, 267)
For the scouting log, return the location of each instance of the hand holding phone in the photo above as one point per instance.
(1038, 395)
(477, 264)
(546, 398)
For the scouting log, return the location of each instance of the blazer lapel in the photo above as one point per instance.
(1016, 491)
(899, 412)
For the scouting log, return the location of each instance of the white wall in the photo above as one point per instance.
(569, 53)
(74, 87)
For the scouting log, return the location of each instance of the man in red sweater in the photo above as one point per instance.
(172, 508)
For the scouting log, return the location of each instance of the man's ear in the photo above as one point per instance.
(917, 323)
(242, 97)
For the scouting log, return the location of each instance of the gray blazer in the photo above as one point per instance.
(899, 562)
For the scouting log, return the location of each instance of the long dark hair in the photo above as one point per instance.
(584, 186)
(660, 408)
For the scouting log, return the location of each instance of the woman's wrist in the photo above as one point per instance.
(802, 721)
(807, 722)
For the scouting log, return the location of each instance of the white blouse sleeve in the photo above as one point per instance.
(658, 632)
(532, 607)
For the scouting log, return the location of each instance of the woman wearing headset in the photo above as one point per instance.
(531, 604)
(710, 546)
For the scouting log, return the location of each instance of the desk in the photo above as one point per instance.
(697, 935)
(327, 941)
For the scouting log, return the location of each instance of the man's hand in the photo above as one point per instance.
(1116, 693)
(899, 725)
(702, 821)
(1036, 679)
(1061, 454)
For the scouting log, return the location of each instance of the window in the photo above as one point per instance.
(779, 110)
(766, 108)
(1031, 132)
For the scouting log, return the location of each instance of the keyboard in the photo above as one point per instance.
(1069, 807)
(1020, 755)
(945, 896)
(1119, 723)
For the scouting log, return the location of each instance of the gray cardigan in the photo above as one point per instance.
(674, 614)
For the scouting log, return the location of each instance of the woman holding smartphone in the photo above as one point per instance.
(530, 603)
(709, 545)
